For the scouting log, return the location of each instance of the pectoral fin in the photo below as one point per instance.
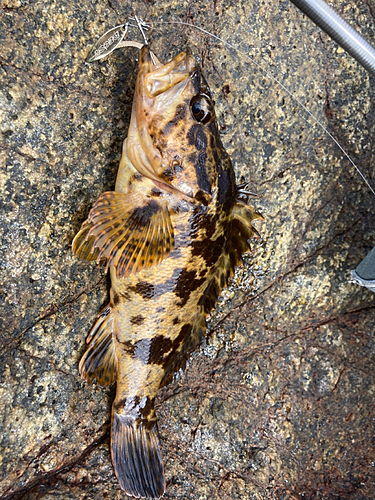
(130, 232)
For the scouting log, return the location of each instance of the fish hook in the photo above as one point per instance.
(142, 26)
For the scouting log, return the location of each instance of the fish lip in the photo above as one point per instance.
(188, 62)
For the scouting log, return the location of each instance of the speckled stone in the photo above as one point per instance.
(279, 402)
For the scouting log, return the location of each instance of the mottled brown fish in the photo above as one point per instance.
(171, 233)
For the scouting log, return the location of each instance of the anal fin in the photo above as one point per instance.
(99, 361)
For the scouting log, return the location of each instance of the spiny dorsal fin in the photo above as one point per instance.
(129, 231)
(240, 229)
(99, 361)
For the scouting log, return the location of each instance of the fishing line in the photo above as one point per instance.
(290, 94)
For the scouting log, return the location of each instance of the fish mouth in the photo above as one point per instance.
(160, 78)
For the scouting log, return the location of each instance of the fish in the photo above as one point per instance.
(171, 234)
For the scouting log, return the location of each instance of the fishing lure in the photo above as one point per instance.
(171, 234)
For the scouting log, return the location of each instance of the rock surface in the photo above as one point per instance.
(279, 403)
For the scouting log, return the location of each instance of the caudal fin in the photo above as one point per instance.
(137, 458)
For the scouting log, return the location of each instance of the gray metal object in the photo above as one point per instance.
(340, 31)
(350, 40)
(364, 274)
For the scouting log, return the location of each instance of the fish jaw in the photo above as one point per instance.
(165, 142)
(157, 88)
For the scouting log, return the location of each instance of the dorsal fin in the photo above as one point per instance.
(130, 231)
(240, 230)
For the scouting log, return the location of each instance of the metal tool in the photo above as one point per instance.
(339, 30)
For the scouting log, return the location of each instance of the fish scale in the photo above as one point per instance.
(171, 232)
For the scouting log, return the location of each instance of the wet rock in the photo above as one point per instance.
(279, 401)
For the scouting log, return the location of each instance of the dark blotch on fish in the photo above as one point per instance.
(186, 284)
(137, 320)
(169, 173)
(210, 253)
(182, 337)
(143, 214)
(129, 346)
(143, 288)
(146, 411)
(160, 345)
(140, 408)
(201, 170)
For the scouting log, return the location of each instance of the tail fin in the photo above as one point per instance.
(136, 457)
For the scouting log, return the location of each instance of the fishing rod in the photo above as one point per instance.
(339, 30)
(350, 40)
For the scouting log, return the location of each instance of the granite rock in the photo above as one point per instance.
(278, 403)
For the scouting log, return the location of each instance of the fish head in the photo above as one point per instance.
(173, 136)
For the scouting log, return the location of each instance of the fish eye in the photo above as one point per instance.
(201, 108)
